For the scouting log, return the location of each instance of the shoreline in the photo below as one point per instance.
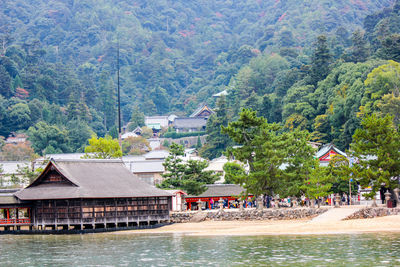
(387, 224)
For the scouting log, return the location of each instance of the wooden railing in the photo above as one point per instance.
(15, 221)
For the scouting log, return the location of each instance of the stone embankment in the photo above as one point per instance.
(246, 215)
(373, 212)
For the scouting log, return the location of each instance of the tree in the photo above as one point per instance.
(376, 146)
(135, 146)
(43, 136)
(1, 175)
(359, 51)
(78, 134)
(173, 163)
(103, 148)
(18, 152)
(320, 61)
(189, 177)
(195, 177)
(234, 173)
(279, 162)
(137, 118)
(380, 81)
(216, 142)
(318, 185)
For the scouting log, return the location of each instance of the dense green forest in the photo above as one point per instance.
(302, 63)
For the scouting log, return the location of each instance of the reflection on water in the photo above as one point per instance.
(180, 250)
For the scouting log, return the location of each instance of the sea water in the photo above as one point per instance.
(183, 250)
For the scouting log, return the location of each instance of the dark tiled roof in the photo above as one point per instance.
(190, 122)
(148, 166)
(221, 190)
(90, 179)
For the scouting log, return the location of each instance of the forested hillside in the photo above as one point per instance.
(58, 62)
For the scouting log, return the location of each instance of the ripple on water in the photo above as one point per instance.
(178, 250)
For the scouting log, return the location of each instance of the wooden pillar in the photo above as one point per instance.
(80, 204)
(8, 214)
(115, 212)
(55, 213)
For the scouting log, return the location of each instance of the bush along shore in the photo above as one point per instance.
(245, 215)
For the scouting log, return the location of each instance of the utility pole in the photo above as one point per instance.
(119, 99)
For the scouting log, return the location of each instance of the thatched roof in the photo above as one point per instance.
(88, 179)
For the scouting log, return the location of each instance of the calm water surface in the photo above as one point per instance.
(180, 250)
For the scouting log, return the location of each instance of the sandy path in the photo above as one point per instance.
(289, 227)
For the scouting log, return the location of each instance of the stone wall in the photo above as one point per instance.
(373, 212)
(247, 214)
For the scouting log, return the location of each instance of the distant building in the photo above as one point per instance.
(157, 155)
(229, 192)
(326, 153)
(178, 199)
(156, 121)
(15, 138)
(128, 134)
(193, 124)
(148, 171)
(10, 169)
(202, 111)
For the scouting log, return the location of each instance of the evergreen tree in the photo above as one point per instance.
(376, 146)
(359, 50)
(320, 61)
(137, 118)
(216, 142)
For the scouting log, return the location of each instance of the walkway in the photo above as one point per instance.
(337, 214)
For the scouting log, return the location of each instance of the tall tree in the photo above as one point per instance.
(359, 49)
(216, 142)
(377, 147)
(320, 61)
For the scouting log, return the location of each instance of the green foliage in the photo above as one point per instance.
(103, 148)
(137, 118)
(173, 163)
(377, 147)
(320, 60)
(135, 146)
(319, 183)
(216, 142)
(48, 139)
(266, 149)
(189, 176)
(234, 173)
(381, 81)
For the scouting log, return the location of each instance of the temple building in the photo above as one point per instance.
(326, 152)
(85, 194)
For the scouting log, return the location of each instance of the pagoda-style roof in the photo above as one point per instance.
(328, 151)
(203, 112)
(70, 179)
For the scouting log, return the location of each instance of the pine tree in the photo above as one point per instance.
(216, 142)
(377, 147)
(321, 59)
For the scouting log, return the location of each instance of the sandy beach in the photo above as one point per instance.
(285, 227)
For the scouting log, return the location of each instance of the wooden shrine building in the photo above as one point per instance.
(88, 194)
